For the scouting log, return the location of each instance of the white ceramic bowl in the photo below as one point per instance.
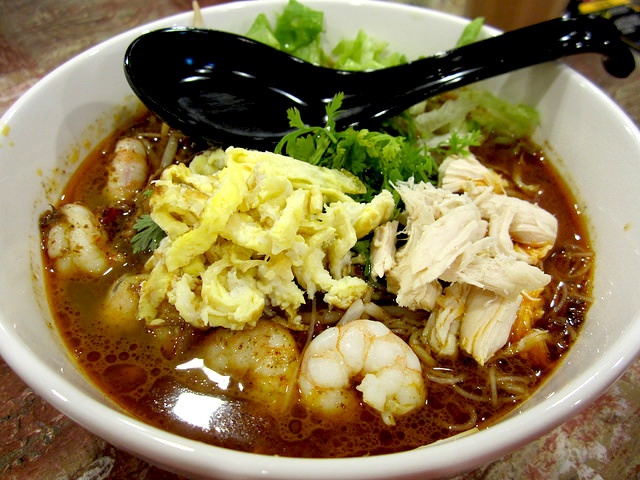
(56, 123)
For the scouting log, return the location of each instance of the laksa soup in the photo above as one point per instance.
(352, 293)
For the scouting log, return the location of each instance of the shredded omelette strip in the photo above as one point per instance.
(248, 229)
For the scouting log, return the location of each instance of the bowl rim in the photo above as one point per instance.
(145, 440)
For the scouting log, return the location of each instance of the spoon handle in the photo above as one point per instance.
(551, 40)
(539, 43)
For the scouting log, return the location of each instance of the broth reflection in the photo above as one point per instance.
(222, 381)
(197, 409)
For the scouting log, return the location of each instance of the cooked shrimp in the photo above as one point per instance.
(262, 360)
(128, 171)
(120, 306)
(364, 351)
(75, 242)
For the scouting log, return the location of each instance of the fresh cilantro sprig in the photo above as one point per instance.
(148, 235)
(379, 159)
(458, 144)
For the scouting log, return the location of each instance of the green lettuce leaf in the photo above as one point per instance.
(261, 31)
(365, 53)
(298, 26)
(297, 31)
(471, 32)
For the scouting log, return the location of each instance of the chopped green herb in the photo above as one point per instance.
(362, 250)
(148, 235)
(378, 158)
(458, 143)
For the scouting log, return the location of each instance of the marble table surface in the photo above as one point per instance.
(37, 442)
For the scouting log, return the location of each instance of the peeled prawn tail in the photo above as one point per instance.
(392, 381)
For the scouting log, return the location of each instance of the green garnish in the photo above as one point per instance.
(500, 117)
(148, 235)
(297, 31)
(471, 32)
(379, 159)
(261, 31)
(365, 53)
(298, 26)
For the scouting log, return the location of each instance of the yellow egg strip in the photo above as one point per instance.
(247, 229)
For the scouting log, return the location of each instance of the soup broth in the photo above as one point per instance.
(157, 374)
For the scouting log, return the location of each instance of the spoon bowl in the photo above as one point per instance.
(230, 90)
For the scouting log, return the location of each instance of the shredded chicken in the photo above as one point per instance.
(443, 325)
(521, 229)
(440, 225)
(464, 173)
(484, 244)
(383, 248)
(487, 323)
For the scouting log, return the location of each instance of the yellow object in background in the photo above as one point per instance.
(599, 5)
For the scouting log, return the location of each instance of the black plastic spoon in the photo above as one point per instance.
(229, 90)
